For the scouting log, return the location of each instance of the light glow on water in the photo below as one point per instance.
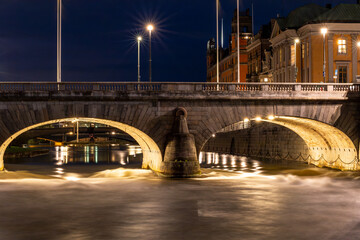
(61, 155)
(246, 199)
(72, 178)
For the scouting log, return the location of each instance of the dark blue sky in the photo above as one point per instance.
(99, 37)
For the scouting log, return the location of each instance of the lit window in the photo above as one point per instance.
(341, 46)
(307, 49)
(293, 55)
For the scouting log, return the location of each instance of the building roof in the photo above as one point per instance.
(298, 17)
(341, 13)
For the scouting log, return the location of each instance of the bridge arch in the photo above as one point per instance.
(327, 145)
(152, 157)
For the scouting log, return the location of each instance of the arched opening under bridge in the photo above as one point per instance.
(326, 146)
(152, 157)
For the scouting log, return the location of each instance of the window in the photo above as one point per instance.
(342, 74)
(302, 51)
(292, 55)
(303, 75)
(307, 49)
(341, 46)
(289, 79)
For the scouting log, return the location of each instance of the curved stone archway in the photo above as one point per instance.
(152, 157)
(326, 145)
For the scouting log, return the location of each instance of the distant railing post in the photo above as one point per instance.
(61, 87)
(96, 87)
(199, 87)
(164, 87)
(131, 87)
(297, 88)
(232, 87)
(264, 87)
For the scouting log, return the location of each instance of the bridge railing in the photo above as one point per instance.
(177, 87)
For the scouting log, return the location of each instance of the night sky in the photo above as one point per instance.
(99, 37)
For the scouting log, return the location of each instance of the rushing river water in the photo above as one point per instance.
(71, 195)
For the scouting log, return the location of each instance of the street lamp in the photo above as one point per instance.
(296, 41)
(324, 32)
(139, 39)
(150, 28)
(358, 44)
(59, 18)
(217, 44)
(238, 40)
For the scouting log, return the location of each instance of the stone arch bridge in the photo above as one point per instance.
(173, 121)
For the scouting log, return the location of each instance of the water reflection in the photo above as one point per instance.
(229, 162)
(97, 154)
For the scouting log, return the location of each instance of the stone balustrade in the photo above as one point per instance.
(177, 87)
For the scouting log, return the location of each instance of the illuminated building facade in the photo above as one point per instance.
(228, 56)
(259, 55)
(312, 39)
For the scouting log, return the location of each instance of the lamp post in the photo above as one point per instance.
(59, 18)
(357, 77)
(217, 44)
(238, 40)
(139, 39)
(324, 32)
(150, 28)
(296, 41)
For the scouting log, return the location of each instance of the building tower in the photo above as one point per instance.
(245, 35)
(228, 55)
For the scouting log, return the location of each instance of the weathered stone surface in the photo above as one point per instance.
(180, 156)
(152, 113)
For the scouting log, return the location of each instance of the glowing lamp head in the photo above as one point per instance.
(297, 40)
(358, 44)
(324, 31)
(246, 120)
(139, 38)
(258, 119)
(150, 27)
(271, 117)
(213, 135)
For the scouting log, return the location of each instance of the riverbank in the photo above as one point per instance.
(19, 152)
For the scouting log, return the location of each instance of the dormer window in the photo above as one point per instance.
(341, 46)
